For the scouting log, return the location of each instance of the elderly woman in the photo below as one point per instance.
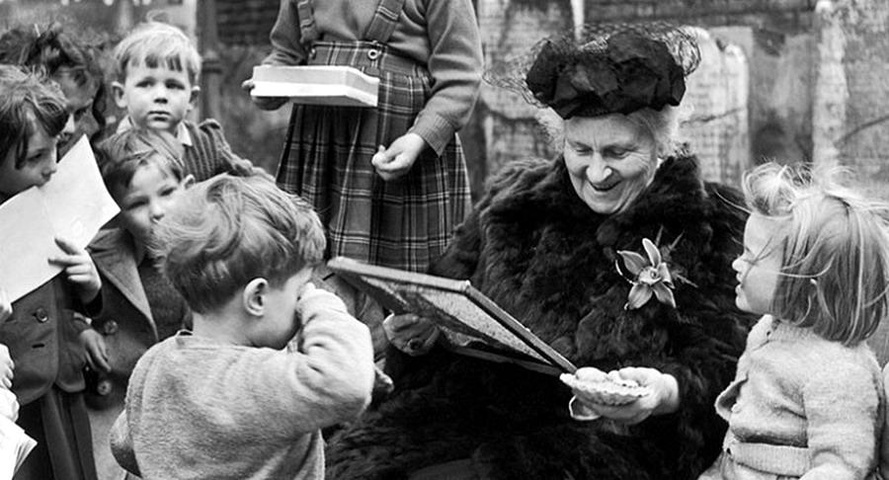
(568, 248)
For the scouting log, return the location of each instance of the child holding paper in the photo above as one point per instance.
(46, 337)
(142, 171)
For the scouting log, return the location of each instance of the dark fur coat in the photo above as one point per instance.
(537, 250)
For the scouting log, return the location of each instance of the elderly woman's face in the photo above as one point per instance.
(610, 160)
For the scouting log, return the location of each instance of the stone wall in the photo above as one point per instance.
(852, 93)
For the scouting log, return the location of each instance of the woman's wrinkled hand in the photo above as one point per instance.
(264, 103)
(412, 334)
(96, 352)
(662, 399)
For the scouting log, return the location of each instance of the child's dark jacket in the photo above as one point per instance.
(126, 322)
(534, 247)
(42, 337)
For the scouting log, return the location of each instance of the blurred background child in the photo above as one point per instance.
(157, 84)
(271, 360)
(46, 339)
(75, 64)
(808, 399)
(142, 171)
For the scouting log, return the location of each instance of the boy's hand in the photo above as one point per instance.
(96, 353)
(79, 268)
(395, 161)
(5, 306)
(265, 103)
(7, 367)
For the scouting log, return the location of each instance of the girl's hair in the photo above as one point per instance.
(50, 49)
(226, 231)
(157, 44)
(835, 272)
(660, 124)
(27, 100)
(122, 154)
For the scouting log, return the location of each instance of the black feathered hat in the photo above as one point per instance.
(608, 68)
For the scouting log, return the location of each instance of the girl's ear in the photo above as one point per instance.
(253, 296)
(117, 91)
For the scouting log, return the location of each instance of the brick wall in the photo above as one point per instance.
(246, 22)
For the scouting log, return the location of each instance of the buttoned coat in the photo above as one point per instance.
(42, 337)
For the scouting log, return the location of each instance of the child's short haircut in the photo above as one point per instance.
(156, 44)
(25, 97)
(226, 231)
(835, 273)
(122, 154)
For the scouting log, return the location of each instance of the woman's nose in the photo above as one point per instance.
(597, 170)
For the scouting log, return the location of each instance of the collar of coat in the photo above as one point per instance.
(530, 190)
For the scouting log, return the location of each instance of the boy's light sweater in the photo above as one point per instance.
(200, 409)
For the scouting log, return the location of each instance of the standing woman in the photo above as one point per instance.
(390, 182)
(615, 253)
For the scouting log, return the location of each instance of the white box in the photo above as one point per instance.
(316, 85)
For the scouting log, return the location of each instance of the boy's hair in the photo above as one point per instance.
(156, 44)
(50, 49)
(122, 154)
(835, 271)
(24, 96)
(227, 231)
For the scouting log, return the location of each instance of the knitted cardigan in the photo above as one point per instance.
(803, 406)
(537, 250)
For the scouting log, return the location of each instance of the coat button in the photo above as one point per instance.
(373, 54)
(110, 327)
(41, 315)
(104, 387)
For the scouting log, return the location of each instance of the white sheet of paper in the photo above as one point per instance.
(15, 445)
(74, 204)
(76, 199)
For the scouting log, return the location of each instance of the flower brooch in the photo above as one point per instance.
(649, 276)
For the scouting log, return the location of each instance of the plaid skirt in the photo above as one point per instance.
(403, 223)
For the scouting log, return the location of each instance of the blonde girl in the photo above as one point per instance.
(807, 398)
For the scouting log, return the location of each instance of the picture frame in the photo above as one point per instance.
(472, 323)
